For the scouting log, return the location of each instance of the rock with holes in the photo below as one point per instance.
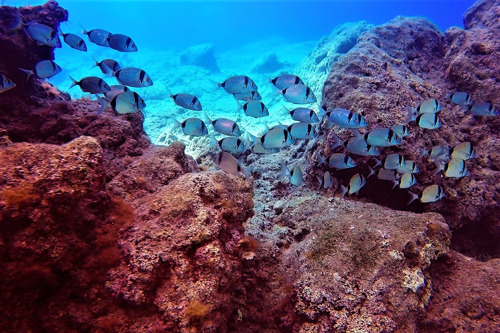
(358, 267)
(182, 254)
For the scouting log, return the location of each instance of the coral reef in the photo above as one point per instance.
(100, 231)
(408, 60)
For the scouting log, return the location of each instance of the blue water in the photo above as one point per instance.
(179, 24)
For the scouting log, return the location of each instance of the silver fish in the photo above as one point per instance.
(115, 90)
(43, 34)
(385, 174)
(121, 43)
(108, 66)
(276, 138)
(460, 98)
(304, 115)
(286, 80)
(248, 96)
(75, 42)
(295, 175)
(381, 137)
(393, 161)
(464, 151)
(227, 163)
(346, 119)
(302, 131)
(233, 145)
(225, 126)
(438, 153)
(98, 36)
(127, 102)
(193, 127)
(5, 83)
(259, 149)
(407, 180)
(239, 84)
(254, 108)
(431, 193)
(356, 183)
(359, 146)
(408, 167)
(429, 106)
(428, 121)
(340, 161)
(401, 130)
(187, 101)
(43, 69)
(298, 94)
(326, 181)
(455, 168)
(91, 84)
(485, 109)
(133, 77)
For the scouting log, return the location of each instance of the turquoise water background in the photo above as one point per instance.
(243, 34)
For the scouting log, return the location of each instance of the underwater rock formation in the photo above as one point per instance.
(316, 67)
(268, 63)
(377, 262)
(406, 61)
(200, 55)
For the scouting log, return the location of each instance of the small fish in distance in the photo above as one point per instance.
(122, 43)
(98, 36)
(286, 80)
(74, 41)
(295, 175)
(43, 70)
(239, 84)
(133, 77)
(298, 94)
(91, 84)
(5, 83)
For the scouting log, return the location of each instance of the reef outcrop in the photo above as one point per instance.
(100, 231)
(401, 63)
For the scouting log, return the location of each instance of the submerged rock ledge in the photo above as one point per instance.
(100, 231)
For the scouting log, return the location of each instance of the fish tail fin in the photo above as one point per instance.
(377, 163)
(371, 173)
(439, 165)
(73, 83)
(394, 183)
(286, 109)
(321, 112)
(320, 181)
(321, 159)
(239, 106)
(85, 32)
(28, 72)
(216, 84)
(336, 141)
(343, 190)
(252, 139)
(213, 140)
(413, 197)
(169, 93)
(103, 104)
(207, 118)
(423, 151)
(357, 135)
(284, 171)
(247, 172)
(95, 61)
(411, 114)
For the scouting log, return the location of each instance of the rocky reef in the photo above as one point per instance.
(101, 231)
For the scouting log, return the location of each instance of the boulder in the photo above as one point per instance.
(200, 55)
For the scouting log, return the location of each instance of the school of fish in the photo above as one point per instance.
(395, 168)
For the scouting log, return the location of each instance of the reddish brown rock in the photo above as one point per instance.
(466, 297)
(182, 256)
(358, 267)
(408, 60)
